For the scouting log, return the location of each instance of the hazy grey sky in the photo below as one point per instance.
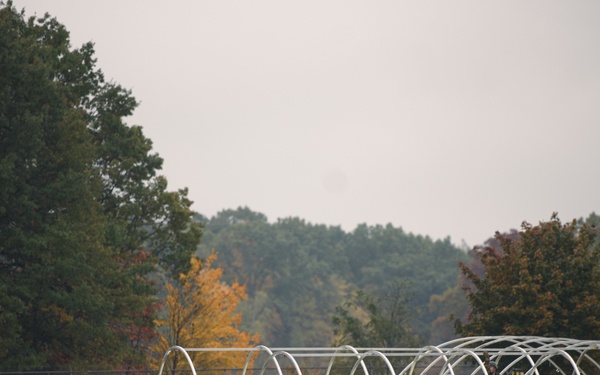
(445, 118)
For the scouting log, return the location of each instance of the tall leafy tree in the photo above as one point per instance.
(84, 217)
(546, 282)
(51, 227)
(139, 208)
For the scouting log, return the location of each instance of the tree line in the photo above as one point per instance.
(297, 273)
(102, 266)
(317, 285)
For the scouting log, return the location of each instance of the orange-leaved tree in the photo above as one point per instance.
(201, 312)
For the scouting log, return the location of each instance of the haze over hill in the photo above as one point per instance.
(447, 119)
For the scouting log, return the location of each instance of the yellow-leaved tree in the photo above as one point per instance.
(201, 312)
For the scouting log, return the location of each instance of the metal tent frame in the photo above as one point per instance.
(517, 355)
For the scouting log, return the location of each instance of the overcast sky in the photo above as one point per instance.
(445, 118)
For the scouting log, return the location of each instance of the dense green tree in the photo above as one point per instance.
(51, 228)
(83, 215)
(546, 282)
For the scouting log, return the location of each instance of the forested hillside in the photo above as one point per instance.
(296, 273)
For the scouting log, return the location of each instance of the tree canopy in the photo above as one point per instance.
(546, 282)
(297, 273)
(84, 217)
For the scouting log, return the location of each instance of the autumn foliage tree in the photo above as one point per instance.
(201, 312)
(545, 283)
